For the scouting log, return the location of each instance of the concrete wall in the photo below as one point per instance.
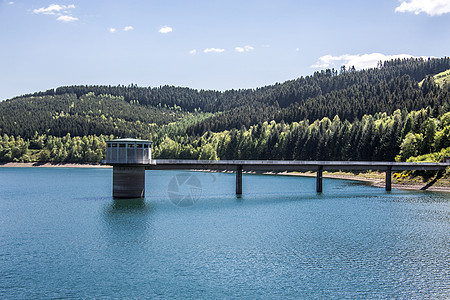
(128, 182)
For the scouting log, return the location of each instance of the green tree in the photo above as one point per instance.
(410, 145)
(207, 152)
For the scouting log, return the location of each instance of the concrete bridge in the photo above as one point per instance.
(132, 174)
(239, 166)
(131, 157)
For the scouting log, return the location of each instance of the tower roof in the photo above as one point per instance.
(129, 140)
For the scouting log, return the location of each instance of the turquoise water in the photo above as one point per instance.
(63, 236)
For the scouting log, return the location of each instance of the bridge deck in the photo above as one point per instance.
(289, 165)
(285, 165)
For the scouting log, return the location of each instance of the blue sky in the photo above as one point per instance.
(207, 44)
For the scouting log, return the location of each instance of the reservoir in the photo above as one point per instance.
(63, 236)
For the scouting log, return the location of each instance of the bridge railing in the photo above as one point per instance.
(138, 161)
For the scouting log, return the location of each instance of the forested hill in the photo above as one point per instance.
(281, 95)
(372, 109)
(83, 110)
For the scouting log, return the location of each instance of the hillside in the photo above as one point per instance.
(369, 114)
(88, 114)
(442, 78)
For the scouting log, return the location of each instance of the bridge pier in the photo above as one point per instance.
(128, 182)
(239, 180)
(388, 179)
(319, 179)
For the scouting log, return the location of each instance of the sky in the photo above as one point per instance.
(207, 44)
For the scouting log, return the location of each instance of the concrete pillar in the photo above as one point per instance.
(239, 180)
(388, 179)
(128, 182)
(319, 180)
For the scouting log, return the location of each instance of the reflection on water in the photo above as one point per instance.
(127, 221)
(135, 204)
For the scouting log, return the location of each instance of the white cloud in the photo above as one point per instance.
(364, 61)
(128, 28)
(53, 9)
(62, 11)
(193, 52)
(165, 29)
(244, 49)
(11, 3)
(430, 7)
(66, 19)
(213, 50)
(297, 49)
(112, 30)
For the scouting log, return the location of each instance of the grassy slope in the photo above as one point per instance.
(440, 79)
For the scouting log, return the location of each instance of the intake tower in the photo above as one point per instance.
(129, 157)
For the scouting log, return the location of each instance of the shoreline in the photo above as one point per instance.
(375, 179)
(51, 165)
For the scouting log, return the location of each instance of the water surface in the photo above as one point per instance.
(63, 236)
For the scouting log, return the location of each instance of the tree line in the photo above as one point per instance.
(400, 136)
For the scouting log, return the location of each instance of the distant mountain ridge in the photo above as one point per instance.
(285, 94)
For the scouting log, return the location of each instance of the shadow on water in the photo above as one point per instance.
(422, 197)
